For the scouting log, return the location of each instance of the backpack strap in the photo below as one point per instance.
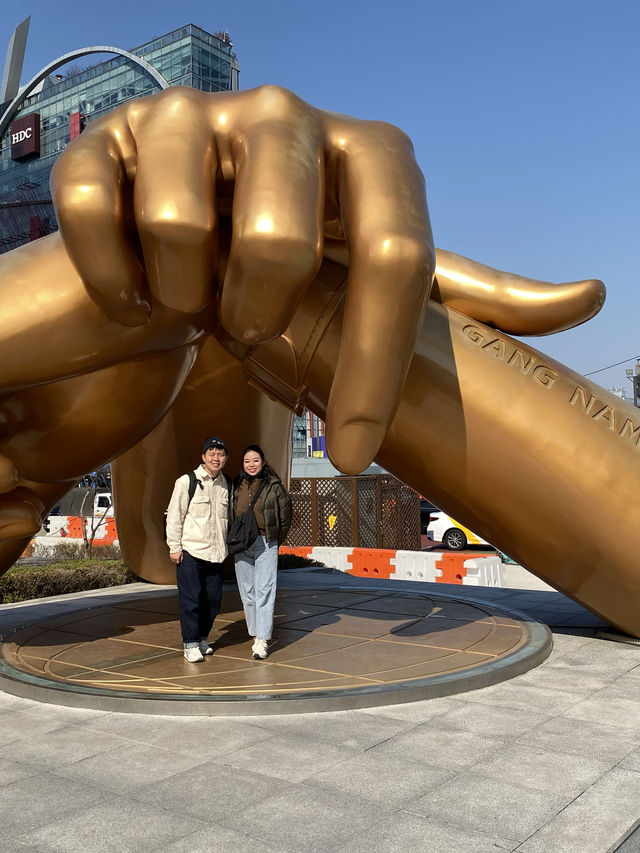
(229, 482)
(194, 482)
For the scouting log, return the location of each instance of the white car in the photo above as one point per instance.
(452, 534)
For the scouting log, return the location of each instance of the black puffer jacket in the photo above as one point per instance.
(276, 506)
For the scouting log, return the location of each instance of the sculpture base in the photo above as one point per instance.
(333, 649)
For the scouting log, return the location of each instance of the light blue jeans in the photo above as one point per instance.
(256, 573)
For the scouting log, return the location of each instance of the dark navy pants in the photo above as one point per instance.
(199, 596)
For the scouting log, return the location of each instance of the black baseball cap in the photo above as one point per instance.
(214, 442)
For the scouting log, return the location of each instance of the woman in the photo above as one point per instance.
(257, 567)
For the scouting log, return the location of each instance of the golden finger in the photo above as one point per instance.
(20, 514)
(91, 191)
(513, 303)
(388, 235)
(8, 474)
(174, 198)
(276, 245)
(507, 301)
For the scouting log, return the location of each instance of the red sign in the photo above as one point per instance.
(25, 137)
(75, 125)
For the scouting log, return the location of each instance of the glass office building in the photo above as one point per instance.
(64, 105)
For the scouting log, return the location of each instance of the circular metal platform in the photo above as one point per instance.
(333, 649)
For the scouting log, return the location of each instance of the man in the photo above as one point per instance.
(197, 520)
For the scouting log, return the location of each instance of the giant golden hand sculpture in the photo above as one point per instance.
(301, 240)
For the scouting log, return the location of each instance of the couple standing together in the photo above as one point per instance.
(202, 505)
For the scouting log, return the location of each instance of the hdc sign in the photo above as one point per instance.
(25, 137)
(21, 135)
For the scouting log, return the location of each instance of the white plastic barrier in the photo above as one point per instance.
(57, 523)
(336, 558)
(484, 571)
(416, 566)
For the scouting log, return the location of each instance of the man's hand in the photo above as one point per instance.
(139, 196)
(176, 557)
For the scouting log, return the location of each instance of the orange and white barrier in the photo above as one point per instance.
(69, 528)
(429, 566)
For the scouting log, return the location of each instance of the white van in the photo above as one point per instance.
(103, 505)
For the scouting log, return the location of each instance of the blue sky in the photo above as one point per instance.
(524, 116)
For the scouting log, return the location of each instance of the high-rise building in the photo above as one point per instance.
(38, 121)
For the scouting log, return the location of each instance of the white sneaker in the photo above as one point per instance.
(260, 650)
(193, 655)
(205, 648)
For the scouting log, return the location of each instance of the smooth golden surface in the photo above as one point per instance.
(290, 176)
(172, 235)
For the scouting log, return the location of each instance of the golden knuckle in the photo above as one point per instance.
(394, 137)
(177, 105)
(87, 200)
(184, 230)
(281, 257)
(408, 255)
(278, 103)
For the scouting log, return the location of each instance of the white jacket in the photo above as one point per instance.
(199, 527)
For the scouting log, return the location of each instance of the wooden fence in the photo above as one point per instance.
(373, 511)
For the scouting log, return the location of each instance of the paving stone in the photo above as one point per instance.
(391, 782)
(219, 839)
(561, 675)
(287, 757)
(632, 761)
(120, 826)
(128, 767)
(491, 806)
(594, 821)
(626, 686)
(580, 619)
(513, 694)
(209, 737)
(567, 643)
(619, 712)
(307, 820)
(620, 657)
(9, 702)
(417, 712)
(210, 792)
(18, 725)
(437, 746)
(353, 729)
(63, 716)
(534, 767)
(60, 746)
(34, 801)
(492, 720)
(594, 738)
(12, 845)
(12, 771)
(407, 833)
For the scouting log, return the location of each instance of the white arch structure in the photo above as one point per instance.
(69, 57)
